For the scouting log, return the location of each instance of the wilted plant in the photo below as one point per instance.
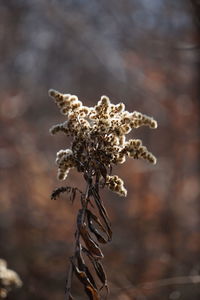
(98, 142)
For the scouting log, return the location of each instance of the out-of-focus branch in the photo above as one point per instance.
(171, 281)
(196, 8)
(179, 280)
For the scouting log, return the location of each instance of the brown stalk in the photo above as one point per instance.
(77, 242)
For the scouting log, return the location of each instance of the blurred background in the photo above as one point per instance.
(145, 54)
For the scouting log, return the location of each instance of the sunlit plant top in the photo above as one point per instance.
(99, 136)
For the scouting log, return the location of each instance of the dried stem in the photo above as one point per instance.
(69, 282)
(98, 142)
(84, 202)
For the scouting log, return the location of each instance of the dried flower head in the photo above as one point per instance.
(103, 128)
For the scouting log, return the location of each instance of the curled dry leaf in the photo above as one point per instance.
(56, 193)
(93, 217)
(89, 242)
(98, 268)
(89, 285)
(68, 189)
(82, 267)
(81, 276)
(102, 212)
(92, 246)
(92, 293)
(95, 231)
(89, 288)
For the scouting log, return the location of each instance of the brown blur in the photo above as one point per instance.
(145, 54)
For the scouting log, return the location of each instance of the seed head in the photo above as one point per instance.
(99, 136)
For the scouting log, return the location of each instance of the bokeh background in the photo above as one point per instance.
(146, 54)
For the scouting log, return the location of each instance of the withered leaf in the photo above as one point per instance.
(95, 231)
(82, 267)
(93, 217)
(56, 193)
(89, 288)
(92, 246)
(81, 276)
(92, 293)
(100, 203)
(100, 271)
(98, 268)
(72, 190)
(102, 211)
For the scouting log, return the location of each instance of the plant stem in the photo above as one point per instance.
(77, 235)
(68, 282)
